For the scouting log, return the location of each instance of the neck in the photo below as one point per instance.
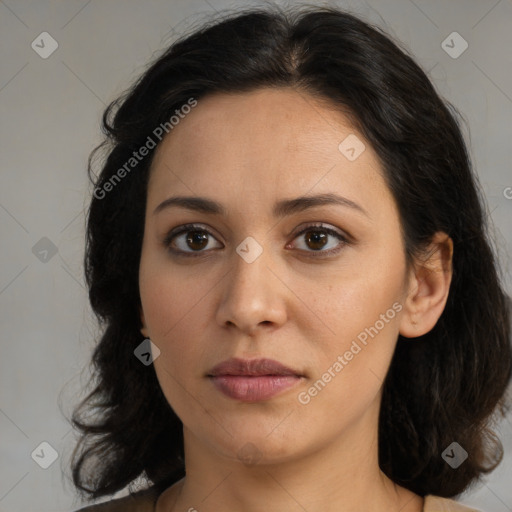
(343, 475)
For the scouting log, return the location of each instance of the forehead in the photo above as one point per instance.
(271, 142)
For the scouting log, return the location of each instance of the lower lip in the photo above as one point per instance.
(255, 388)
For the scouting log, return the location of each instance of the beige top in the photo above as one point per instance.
(145, 502)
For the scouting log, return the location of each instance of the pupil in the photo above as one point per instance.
(316, 237)
(197, 237)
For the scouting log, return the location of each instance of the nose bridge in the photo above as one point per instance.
(249, 264)
(250, 294)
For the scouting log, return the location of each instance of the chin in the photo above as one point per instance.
(256, 446)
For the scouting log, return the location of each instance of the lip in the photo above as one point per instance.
(251, 368)
(252, 380)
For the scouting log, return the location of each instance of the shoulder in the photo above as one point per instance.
(143, 501)
(438, 504)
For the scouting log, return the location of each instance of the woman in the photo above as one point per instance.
(287, 250)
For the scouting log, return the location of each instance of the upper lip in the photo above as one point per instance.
(251, 367)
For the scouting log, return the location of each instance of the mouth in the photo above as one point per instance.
(253, 380)
(252, 368)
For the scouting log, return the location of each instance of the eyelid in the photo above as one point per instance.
(326, 227)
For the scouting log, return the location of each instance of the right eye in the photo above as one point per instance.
(190, 240)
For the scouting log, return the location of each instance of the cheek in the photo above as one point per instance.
(361, 309)
(170, 301)
(351, 366)
(175, 313)
(353, 301)
(171, 309)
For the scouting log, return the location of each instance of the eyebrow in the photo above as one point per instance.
(282, 208)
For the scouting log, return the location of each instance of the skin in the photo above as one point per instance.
(248, 151)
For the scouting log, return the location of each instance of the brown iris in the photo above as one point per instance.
(316, 237)
(197, 237)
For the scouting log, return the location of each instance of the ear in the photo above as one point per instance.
(428, 287)
(144, 329)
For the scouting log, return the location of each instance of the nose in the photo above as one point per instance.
(253, 297)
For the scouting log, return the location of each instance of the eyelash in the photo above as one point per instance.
(195, 227)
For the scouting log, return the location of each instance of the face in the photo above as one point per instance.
(315, 286)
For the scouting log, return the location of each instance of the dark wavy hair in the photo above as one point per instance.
(444, 386)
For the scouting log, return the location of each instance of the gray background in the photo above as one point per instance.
(50, 111)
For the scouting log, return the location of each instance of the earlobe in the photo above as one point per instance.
(428, 288)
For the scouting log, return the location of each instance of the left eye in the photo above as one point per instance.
(316, 239)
